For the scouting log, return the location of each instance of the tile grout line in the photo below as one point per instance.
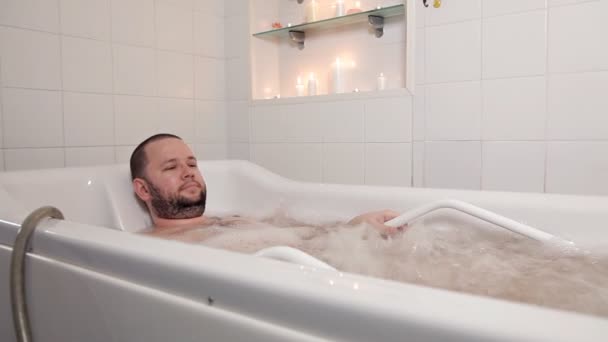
(547, 78)
(61, 80)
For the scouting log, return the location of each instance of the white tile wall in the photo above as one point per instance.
(134, 70)
(303, 123)
(577, 168)
(514, 166)
(577, 106)
(211, 121)
(577, 39)
(89, 156)
(209, 36)
(33, 158)
(86, 18)
(174, 74)
(456, 11)
(514, 109)
(500, 7)
(453, 52)
(239, 151)
(451, 164)
(418, 152)
(86, 65)
(123, 153)
(88, 119)
(514, 45)
(21, 63)
(2, 160)
(388, 120)
(343, 163)
(388, 164)
(211, 151)
(33, 14)
(342, 121)
(238, 121)
(133, 22)
(174, 27)
(32, 118)
(182, 118)
(453, 111)
(135, 119)
(209, 78)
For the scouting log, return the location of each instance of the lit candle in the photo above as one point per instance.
(381, 82)
(312, 85)
(337, 77)
(312, 11)
(339, 8)
(299, 87)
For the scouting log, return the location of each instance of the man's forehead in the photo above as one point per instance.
(167, 149)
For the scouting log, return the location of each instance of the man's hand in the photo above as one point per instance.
(377, 220)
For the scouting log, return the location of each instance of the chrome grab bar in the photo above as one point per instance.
(480, 213)
(17, 270)
(296, 256)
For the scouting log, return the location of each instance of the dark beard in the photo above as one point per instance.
(176, 207)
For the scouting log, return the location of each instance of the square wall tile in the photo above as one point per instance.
(211, 122)
(388, 164)
(209, 78)
(88, 119)
(238, 151)
(515, 45)
(303, 122)
(303, 162)
(499, 7)
(86, 18)
(32, 118)
(420, 56)
(236, 35)
(238, 121)
(453, 52)
(272, 157)
(86, 65)
(211, 151)
(123, 153)
(1, 160)
(577, 168)
(174, 28)
(343, 121)
(236, 7)
(456, 11)
(577, 106)
(215, 7)
(89, 156)
(453, 111)
(133, 22)
(32, 14)
(209, 35)
(237, 79)
(134, 70)
(268, 124)
(418, 164)
(453, 165)
(514, 109)
(388, 120)
(136, 119)
(176, 116)
(344, 163)
(514, 166)
(174, 74)
(577, 38)
(21, 63)
(34, 158)
(419, 115)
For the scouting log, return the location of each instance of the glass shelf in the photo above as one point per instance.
(384, 12)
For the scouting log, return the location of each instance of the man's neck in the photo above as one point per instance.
(162, 223)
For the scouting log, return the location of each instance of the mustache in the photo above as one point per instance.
(187, 184)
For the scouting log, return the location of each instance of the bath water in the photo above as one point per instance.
(444, 254)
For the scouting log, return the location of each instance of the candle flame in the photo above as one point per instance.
(299, 80)
(311, 76)
(357, 4)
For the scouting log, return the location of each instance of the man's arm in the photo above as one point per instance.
(378, 219)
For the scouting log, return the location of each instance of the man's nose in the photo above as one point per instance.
(187, 171)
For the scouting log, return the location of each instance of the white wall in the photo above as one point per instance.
(83, 81)
(512, 96)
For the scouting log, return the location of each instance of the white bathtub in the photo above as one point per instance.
(89, 280)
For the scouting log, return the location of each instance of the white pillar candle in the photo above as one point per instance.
(299, 87)
(337, 77)
(312, 85)
(340, 8)
(381, 82)
(312, 11)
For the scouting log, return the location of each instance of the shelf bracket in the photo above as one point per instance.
(298, 37)
(300, 1)
(377, 23)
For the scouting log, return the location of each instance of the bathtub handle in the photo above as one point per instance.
(478, 212)
(17, 272)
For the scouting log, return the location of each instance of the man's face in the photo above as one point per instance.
(176, 186)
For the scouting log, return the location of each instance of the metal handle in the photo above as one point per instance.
(17, 275)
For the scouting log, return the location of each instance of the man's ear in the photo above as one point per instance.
(140, 187)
